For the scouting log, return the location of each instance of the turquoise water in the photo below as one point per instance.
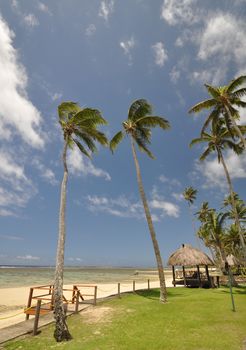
(31, 276)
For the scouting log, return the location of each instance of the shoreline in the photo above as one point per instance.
(14, 300)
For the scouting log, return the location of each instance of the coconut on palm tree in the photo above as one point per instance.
(138, 127)
(218, 140)
(224, 102)
(79, 127)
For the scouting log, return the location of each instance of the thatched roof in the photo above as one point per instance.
(189, 256)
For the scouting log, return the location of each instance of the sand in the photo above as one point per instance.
(14, 300)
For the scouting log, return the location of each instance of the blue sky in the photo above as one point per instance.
(105, 54)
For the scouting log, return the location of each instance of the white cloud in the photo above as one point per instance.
(222, 44)
(167, 208)
(211, 75)
(17, 113)
(90, 30)
(11, 238)
(44, 8)
(126, 208)
(178, 196)
(28, 257)
(174, 75)
(172, 182)
(56, 96)
(78, 164)
(106, 9)
(45, 172)
(214, 174)
(5, 212)
(160, 54)
(127, 47)
(74, 259)
(15, 188)
(14, 4)
(30, 20)
(10, 169)
(180, 11)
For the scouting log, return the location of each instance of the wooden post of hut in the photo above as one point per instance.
(173, 269)
(199, 276)
(207, 274)
(185, 284)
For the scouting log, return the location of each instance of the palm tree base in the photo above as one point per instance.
(61, 332)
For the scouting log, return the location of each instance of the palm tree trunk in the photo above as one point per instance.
(233, 204)
(163, 291)
(194, 228)
(61, 330)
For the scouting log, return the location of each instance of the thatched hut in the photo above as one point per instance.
(187, 256)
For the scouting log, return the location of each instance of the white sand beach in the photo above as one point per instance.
(13, 301)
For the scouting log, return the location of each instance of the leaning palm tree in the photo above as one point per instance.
(218, 141)
(138, 128)
(79, 126)
(224, 101)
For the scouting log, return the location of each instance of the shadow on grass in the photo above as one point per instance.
(154, 294)
(236, 290)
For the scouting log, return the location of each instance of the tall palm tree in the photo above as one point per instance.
(223, 101)
(78, 126)
(138, 127)
(218, 140)
(189, 195)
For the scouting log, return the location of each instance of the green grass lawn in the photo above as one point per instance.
(193, 319)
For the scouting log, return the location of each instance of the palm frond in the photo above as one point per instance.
(89, 115)
(143, 147)
(153, 121)
(139, 109)
(239, 93)
(212, 116)
(66, 109)
(189, 194)
(213, 91)
(144, 133)
(199, 140)
(116, 140)
(206, 153)
(96, 135)
(207, 104)
(236, 147)
(235, 83)
(239, 103)
(86, 139)
(81, 148)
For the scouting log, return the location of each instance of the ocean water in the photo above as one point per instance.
(13, 276)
